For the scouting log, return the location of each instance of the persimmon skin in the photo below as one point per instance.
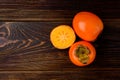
(87, 26)
(74, 59)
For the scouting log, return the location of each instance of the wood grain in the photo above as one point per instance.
(27, 54)
(58, 10)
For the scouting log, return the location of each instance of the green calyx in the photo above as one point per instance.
(82, 52)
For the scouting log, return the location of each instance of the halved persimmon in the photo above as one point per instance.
(62, 36)
(82, 53)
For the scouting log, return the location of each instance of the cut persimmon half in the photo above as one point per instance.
(62, 36)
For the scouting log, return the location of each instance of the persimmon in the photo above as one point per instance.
(87, 25)
(82, 53)
(62, 36)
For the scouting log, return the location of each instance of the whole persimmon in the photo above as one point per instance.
(87, 25)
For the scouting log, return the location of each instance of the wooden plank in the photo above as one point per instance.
(61, 75)
(45, 10)
(26, 46)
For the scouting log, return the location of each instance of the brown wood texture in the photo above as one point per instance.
(27, 54)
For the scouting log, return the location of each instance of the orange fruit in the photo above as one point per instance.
(62, 36)
(87, 25)
(82, 53)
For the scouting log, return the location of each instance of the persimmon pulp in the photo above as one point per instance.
(62, 36)
(82, 53)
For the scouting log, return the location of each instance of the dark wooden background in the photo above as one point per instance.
(25, 49)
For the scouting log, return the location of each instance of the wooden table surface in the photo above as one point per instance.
(27, 54)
